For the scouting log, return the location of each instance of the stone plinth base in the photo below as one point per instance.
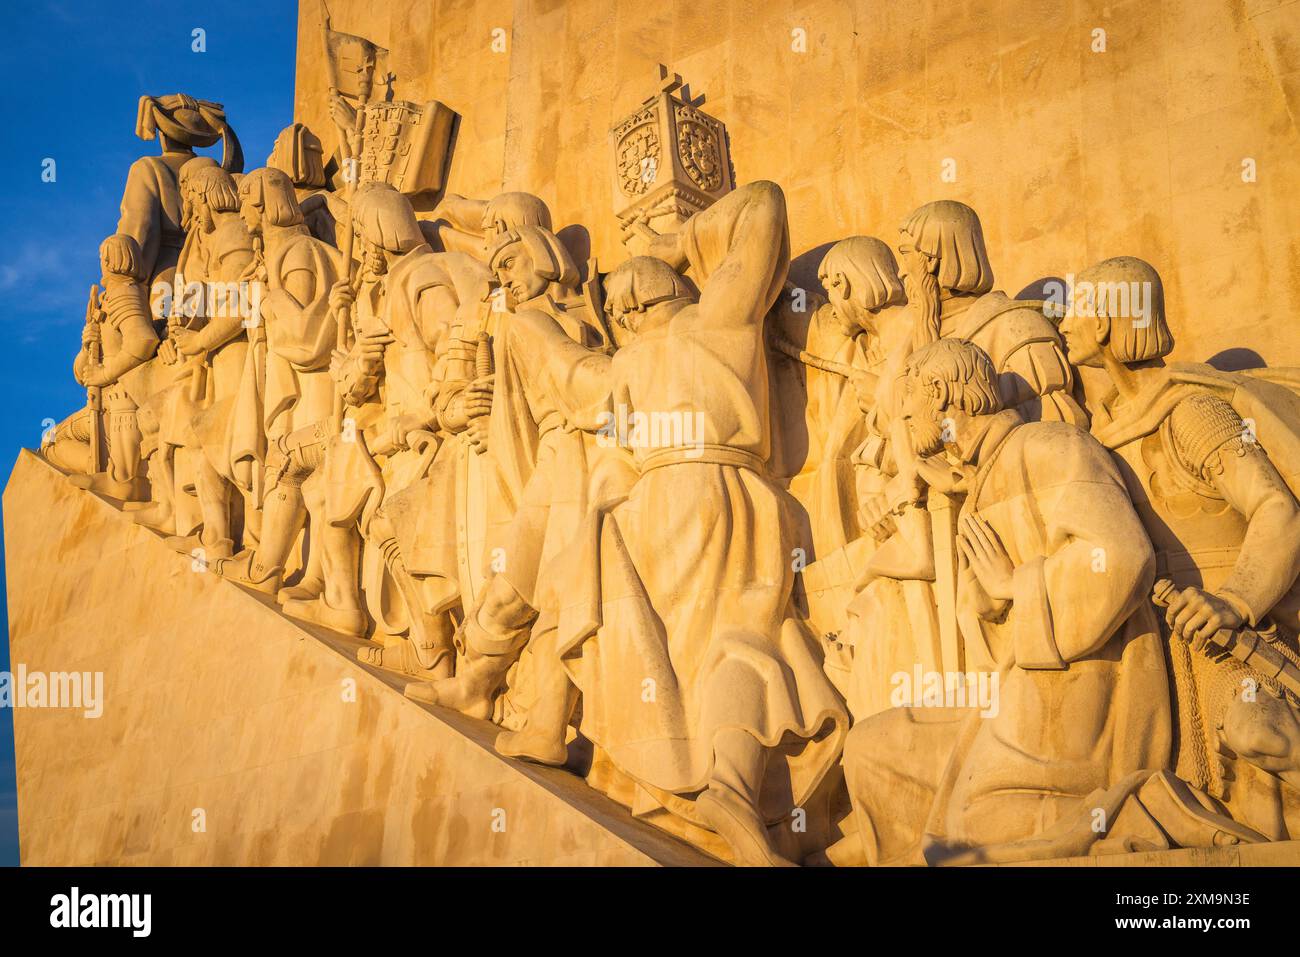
(230, 735)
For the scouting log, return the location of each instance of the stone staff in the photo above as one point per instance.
(94, 393)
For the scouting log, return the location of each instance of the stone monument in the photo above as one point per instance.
(798, 494)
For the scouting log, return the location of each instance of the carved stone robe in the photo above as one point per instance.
(676, 619)
(1083, 698)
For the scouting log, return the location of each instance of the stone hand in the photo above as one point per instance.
(477, 434)
(988, 560)
(187, 342)
(342, 113)
(97, 376)
(864, 389)
(341, 295)
(478, 396)
(1195, 615)
(368, 351)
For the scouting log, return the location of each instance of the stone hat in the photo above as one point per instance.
(195, 123)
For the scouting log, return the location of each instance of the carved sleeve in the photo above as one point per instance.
(739, 251)
(1099, 564)
(126, 308)
(1211, 442)
(141, 216)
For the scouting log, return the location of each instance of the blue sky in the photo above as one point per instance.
(74, 73)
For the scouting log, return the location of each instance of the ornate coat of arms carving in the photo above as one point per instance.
(405, 145)
(670, 160)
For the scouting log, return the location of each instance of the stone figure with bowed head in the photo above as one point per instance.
(1075, 696)
(1212, 461)
(118, 340)
(684, 643)
(949, 281)
(821, 347)
(151, 200)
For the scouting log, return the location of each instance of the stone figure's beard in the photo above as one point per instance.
(927, 436)
(923, 294)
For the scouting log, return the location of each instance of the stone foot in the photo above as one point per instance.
(538, 747)
(186, 544)
(239, 569)
(303, 591)
(154, 515)
(346, 621)
(401, 657)
(741, 827)
(469, 692)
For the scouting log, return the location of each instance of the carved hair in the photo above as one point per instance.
(185, 178)
(650, 281)
(1112, 283)
(119, 255)
(550, 259)
(870, 268)
(298, 152)
(270, 191)
(217, 187)
(959, 373)
(950, 232)
(511, 210)
(385, 217)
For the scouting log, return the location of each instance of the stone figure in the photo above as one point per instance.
(949, 282)
(684, 644)
(472, 225)
(117, 341)
(282, 417)
(298, 154)
(217, 254)
(1058, 567)
(858, 327)
(1211, 461)
(406, 306)
(151, 201)
(906, 559)
(548, 342)
(168, 417)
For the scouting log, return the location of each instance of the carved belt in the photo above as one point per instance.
(706, 455)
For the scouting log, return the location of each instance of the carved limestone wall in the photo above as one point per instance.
(1070, 155)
